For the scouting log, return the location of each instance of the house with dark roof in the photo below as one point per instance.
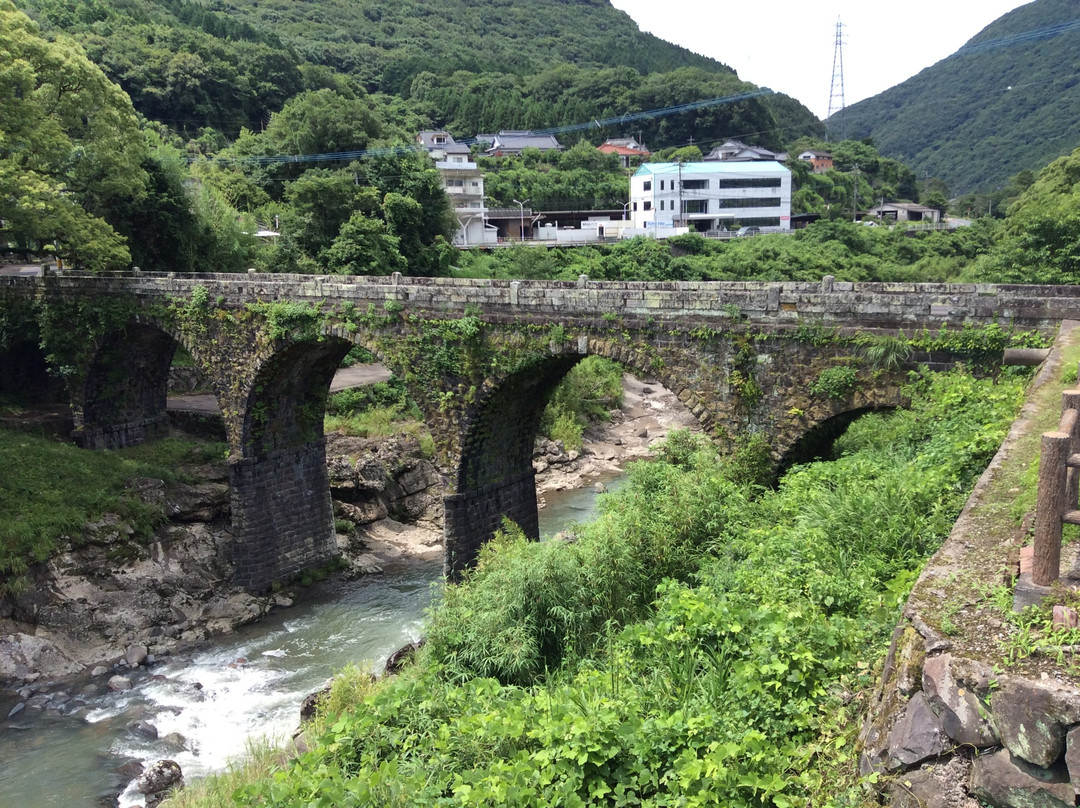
(905, 212)
(738, 152)
(463, 182)
(513, 142)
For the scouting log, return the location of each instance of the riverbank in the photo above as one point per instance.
(111, 604)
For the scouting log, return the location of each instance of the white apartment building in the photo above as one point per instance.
(464, 185)
(710, 196)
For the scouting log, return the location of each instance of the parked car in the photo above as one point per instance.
(748, 231)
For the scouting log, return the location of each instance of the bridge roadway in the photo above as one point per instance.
(479, 357)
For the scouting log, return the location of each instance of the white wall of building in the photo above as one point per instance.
(665, 197)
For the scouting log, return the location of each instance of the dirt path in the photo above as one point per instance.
(355, 376)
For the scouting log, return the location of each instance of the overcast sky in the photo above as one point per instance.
(788, 46)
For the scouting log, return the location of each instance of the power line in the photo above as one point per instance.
(1017, 39)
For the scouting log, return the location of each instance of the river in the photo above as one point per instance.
(241, 686)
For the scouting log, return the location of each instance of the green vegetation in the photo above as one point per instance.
(992, 109)
(591, 673)
(588, 393)
(251, 83)
(1040, 239)
(50, 490)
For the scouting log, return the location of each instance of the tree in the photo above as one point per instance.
(364, 247)
(70, 147)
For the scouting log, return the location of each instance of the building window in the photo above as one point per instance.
(635, 207)
(648, 185)
(440, 139)
(750, 182)
(750, 202)
(661, 185)
(696, 206)
(647, 205)
(455, 183)
(695, 185)
(475, 183)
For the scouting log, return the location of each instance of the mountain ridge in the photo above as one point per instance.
(1007, 101)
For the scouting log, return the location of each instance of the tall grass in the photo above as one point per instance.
(688, 649)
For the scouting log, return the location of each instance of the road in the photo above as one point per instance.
(26, 270)
(355, 376)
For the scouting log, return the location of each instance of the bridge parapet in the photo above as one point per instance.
(868, 306)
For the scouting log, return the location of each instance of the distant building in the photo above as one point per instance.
(819, 161)
(464, 185)
(710, 196)
(513, 143)
(629, 150)
(905, 212)
(738, 152)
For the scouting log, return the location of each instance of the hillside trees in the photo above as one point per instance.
(70, 147)
(1041, 240)
(581, 178)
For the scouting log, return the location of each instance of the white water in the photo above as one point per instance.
(243, 686)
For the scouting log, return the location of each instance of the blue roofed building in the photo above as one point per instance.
(671, 198)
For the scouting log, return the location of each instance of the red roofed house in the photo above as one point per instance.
(628, 149)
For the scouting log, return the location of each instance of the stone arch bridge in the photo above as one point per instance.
(480, 358)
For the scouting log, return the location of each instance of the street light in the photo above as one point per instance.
(624, 207)
(521, 210)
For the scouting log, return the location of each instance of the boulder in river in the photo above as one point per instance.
(158, 779)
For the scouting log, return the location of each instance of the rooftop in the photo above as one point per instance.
(713, 167)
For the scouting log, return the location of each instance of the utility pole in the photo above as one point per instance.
(855, 196)
(521, 226)
(679, 211)
(836, 89)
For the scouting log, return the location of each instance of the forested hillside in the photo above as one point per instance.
(465, 65)
(1006, 102)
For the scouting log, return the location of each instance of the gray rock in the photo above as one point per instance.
(100, 670)
(963, 717)
(918, 735)
(940, 785)
(119, 682)
(130, 769)
(310, 706)
(135, 655)
(1004, 780)
(145, 729)
(1031, 717)
(174, 740)
(18, 708)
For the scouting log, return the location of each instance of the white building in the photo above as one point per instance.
(667, 197)
(464, 185)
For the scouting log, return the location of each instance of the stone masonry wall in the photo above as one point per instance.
(472, 517)
(282, 514)
(864, 305)
(952, 724)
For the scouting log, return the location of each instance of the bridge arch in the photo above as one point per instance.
(494, 476)
(120, 397)
(817, 441)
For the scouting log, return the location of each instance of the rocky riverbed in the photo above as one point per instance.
(110, 604)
